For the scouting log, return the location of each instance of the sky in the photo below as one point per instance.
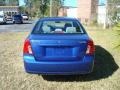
(72, 3)
(21, 2)
(102, 2)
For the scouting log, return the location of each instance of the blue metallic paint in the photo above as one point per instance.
(59, 68)
(76, 63)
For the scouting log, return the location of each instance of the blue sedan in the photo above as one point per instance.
(58, 46)
(17, 19)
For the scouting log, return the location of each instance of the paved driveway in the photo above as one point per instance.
(10, 27)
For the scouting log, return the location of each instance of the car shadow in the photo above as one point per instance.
(27, 23)
(104, 67)
(11, 23)
(22, 23)
(7, 23)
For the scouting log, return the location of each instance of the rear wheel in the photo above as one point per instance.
(13, 22)
(21, 22)
(4, 23)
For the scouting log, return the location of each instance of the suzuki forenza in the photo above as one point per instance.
(58, 46)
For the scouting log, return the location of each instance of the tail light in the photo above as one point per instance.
(27, 47)
(90, 48)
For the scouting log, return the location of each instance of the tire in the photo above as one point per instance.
(4, 23)
(13, 22)
(22, 22)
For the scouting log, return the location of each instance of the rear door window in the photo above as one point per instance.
(60, 27)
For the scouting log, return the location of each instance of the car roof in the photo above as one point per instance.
(58, 18)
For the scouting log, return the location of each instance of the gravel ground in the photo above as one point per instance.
(106, 74)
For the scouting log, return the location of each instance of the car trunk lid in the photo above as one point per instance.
(58, 48)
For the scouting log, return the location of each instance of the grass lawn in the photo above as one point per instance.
(106, 74)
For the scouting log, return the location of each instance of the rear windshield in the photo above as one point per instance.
(60, 27)
(24, 15)
(17, 16)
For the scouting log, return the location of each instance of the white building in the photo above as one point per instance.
(102, 14)
(10, 10)
(72, 12)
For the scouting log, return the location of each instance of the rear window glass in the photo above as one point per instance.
(51, 27)
(17, 16)
(24, 15)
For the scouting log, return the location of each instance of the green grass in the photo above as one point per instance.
(117, 29)
(106, 74)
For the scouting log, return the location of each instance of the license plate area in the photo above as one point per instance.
(58, 51)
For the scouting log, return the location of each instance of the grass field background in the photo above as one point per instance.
(106, 74)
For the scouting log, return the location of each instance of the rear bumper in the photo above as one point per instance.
(59, 68)
(19, 21)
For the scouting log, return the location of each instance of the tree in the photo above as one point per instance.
(57, 4)
(37, 7)
(113, 10)
(22, 9)
(41, 8)
(44, 6)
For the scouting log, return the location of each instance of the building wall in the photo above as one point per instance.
(68, 11)
(84, 10)
(101, 14)
(87, 10)
(9, 2)
(2, 2)
(72, 12)
(10, 10)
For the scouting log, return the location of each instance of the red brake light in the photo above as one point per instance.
(27, 47)
(90, 48)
